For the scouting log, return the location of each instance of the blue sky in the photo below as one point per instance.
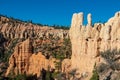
(58, 11)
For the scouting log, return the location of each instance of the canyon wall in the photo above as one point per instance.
(24, 61)
(88, 41)
(11, 28)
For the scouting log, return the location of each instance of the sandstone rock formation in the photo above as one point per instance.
(24, 61)
(11, 28)
(66, 65)
(89, 19)
(88, 42)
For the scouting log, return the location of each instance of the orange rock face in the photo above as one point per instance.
(16, 29)
(24, 61)
(88, 42)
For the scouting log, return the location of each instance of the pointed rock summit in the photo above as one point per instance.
(89, 18)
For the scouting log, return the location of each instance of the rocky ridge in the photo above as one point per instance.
(11, 28)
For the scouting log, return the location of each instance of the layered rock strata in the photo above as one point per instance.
(24, 61)
(88, 41)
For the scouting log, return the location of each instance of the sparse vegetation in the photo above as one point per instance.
(112, 58)
(13, 20)
(61, 27)
(95, 75)
(10, 49)
(19, 77)
(111, 64)
(54, 49)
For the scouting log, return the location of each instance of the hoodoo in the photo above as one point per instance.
(24, 61)
(87, 42)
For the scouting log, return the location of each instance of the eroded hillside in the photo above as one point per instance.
(48, 42)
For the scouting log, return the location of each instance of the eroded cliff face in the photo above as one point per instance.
(11, 28)
(88, 41)
(24, 61)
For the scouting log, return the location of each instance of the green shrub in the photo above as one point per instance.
(21, 77)
(95, 75)
(102, 67)
(112, 58)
